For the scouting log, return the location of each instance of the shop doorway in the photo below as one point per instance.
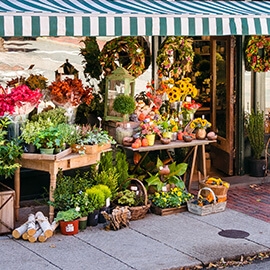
(214, 78)
(222, 100)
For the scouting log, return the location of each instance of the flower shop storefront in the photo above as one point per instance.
(217, 28)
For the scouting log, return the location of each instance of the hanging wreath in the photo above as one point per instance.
(175, 57)
(258, 53)
(132, 53)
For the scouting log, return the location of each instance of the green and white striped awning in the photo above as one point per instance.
(34, 18)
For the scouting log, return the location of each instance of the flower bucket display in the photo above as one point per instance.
(69, 227)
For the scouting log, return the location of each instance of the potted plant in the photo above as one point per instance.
(171, 201)
(200, 125)
(125, 105)
(97, 200)
(167, 176)
(254, 125)
(67, 187)
(68, 221)
(94, 140)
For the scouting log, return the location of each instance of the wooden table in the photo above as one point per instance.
(51, 164)
(197, 148)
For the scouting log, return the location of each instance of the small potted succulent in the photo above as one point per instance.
(95, 140)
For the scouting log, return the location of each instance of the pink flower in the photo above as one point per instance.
(17, 99)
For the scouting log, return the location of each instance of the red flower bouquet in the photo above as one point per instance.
(19, 100)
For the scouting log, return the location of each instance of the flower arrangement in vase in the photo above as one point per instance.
(200, 124)
(178, 90)
(168, 125)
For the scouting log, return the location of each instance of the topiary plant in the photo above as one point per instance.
(124, 104)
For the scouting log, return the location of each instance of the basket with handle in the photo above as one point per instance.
(138, 212)
(214, 207)
(219, 190)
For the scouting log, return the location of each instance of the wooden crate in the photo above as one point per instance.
(7, 197)
(167, 211)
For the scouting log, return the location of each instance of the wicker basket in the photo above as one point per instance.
(206, 209)
(139, 212)
(220, 191)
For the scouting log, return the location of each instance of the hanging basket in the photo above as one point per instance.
(214, 207)
(139, 212)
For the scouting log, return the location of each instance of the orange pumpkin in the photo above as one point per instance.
(144, 142)
(136, 145)
(139, 141)
(141, 117)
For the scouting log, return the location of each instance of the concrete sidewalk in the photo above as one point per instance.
(155, 242)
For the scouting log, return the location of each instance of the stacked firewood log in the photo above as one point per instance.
(36, 228)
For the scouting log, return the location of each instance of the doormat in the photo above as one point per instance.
(233, 234)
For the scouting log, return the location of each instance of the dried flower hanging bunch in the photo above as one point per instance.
(36, 81)
(70, 92)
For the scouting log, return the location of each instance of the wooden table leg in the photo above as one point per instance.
(193, 166)
(17, 187)
(53, 177)
(201, 163)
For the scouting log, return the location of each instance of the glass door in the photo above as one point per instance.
(222, 102)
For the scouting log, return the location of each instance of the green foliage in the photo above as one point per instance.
(124, 104)
(67, 187)
(122, 167)
(68, 215)
(10, 151)
(92, 69)
(174, 177)
(118, 160)
(97, 136)
(108, 177)
(81, 203)
(105, 189)
(56, 116)
(91, 53)
(96, 197)
(127, 197)
(254, 125)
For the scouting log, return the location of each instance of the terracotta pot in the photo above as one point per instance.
(200, 134)
(69, 227)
